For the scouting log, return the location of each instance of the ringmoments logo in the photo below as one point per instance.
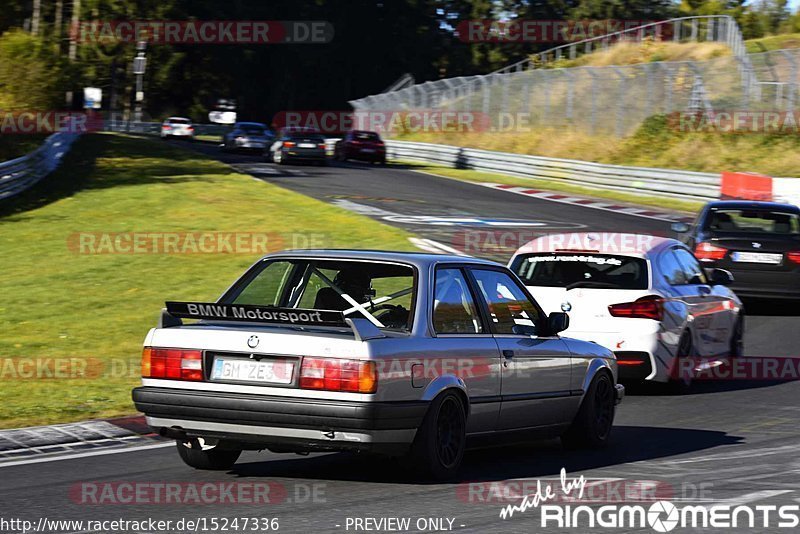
(660, 516)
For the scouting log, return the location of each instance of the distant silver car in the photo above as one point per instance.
(394, 353)
(177, 127)
(250, 136)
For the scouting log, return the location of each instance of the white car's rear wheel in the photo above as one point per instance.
(737, 338)
(681, 379)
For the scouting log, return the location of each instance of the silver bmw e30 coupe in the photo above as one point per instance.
(387, 352)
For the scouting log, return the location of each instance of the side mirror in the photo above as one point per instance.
(680, 227)
(720, 277)
(557, 322)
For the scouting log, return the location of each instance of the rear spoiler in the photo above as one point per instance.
(174, 311)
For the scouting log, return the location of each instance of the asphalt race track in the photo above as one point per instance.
(727, 443)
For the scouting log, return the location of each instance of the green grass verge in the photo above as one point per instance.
(60, 304)
(772, 42)
(656, 143)
(556, 186)
(209, 138)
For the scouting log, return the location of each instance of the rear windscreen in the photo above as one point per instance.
(313, 138)
(753, 221)
(178, 121)
(253, 130)
(581, 270)
(366, 136)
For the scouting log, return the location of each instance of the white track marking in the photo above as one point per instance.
(599, 205)
(429, 245)
(752, 497)
(86, 454)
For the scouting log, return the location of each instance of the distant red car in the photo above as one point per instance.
(361, 145)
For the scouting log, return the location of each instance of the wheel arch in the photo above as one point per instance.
(447, 383)
(597, 365)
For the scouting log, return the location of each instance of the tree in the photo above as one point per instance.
(39, 84)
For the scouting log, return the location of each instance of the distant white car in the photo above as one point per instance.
(177, 127)
(646, 298)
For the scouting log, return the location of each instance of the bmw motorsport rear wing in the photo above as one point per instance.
(174, 311)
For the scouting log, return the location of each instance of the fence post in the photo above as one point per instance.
(790, 98)
(546, 114)
(648, 69)
(593, 113)
(570, 75)
(619, 129)
(486, 88)
(506, 81)
(668, 78)
(526, 91)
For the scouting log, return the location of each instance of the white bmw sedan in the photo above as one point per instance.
(646, 298)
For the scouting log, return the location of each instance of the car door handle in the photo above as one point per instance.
(508, 354)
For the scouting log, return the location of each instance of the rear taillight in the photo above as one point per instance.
(321, 145)
(288, 144)
(173, 364)
(649, 307)
(709, 252)
(166, 127)
(793, 256)
(333, 374)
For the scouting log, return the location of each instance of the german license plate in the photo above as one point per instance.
(243, 370)
(757, 257)
(307, 145)
(368, 150)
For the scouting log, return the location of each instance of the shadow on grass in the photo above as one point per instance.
(142, 161)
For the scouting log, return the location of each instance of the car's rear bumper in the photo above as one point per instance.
(290, 423)
(366, 156)
(634, 365)
(309, 155)
(761, 292)
(777, 284)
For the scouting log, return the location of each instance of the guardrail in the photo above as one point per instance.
(154, 128)
(21, 173)
(639, 180)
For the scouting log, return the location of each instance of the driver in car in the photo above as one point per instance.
(358, 284)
